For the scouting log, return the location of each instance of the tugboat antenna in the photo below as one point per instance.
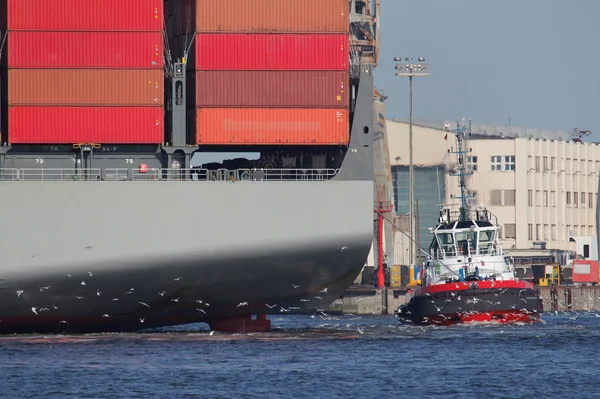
(461, 170)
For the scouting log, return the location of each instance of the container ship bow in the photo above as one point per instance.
(107, 224)
(468, 278)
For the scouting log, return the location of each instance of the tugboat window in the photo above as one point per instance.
(447, 243)
(466, 242)
(486, 239)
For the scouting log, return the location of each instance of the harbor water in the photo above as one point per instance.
(313, 357)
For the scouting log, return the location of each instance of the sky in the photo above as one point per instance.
(535, 62)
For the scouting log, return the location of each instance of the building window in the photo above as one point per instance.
(552, 163)
(575, 199)
(590, 200)
(546, 232)
(510, 197)
(496, 197)
(568, 198)
(545, 163)
(509, 163)
(471, 164)
(553, 231)
(597, 166)
(538, 198)
(529, 197)
(496, 163)
(582, 200)
(586, 251)
(510, 231)
(545, 198)
(569, 231)
(552, 198)
(576, 230)
(592, 232)
(530, 232)
(537, 164)
(538, 227)
(568, 165)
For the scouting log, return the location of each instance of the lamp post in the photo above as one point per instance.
(408, 68)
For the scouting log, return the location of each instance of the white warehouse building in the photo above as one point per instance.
(540, 189)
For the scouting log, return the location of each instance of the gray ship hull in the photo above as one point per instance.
(153, 250)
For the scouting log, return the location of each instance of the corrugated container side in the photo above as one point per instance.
(283, 16)
(272, 52)
(67, 125)
(272, 89)
(81, 87)
(27, 49)
(82, 15)
(248, 126)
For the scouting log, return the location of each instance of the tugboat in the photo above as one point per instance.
(467, 277)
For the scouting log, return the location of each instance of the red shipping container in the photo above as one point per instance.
(85, 50)
(86, 15)
(98, 125)
(283, 16)
(248, 126)
(585, 271)
(272, 52)
(86, 87)
(272, 89)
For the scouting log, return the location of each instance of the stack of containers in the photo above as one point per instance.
(271, 72)
(85, 71)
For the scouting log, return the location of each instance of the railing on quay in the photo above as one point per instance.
(124, 174)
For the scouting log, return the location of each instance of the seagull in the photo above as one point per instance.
(242, 304)
(62, 322)
(304, 300)
(295, 286)
(105, 315)
(162, 293)
(145, 304)
(175, 299)
(44, 288)
(201, 310)
(88, 247)
(19, 292)
(177, 279)
(324, 290)
(90, 273)
(83, 282)
(34, 310)
(211, 333)
(115, 299)
(198, 300)
(98, 292)
(318, 297)
(272, 306)
(344, 248)
(142, 320)
(360, 331)
(79, 297)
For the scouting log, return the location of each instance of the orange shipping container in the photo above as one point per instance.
(84, 87)
(282, 16)
(300, 126)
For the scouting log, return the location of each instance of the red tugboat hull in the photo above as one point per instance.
(483, 301)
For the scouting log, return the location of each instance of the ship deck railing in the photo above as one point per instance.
(194, 174)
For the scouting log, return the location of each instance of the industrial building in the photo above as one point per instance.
(541, 185)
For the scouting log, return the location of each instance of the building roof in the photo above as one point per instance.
(499, 131)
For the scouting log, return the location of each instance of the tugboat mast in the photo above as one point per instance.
(461, 170)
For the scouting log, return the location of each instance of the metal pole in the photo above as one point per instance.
(380, 273)
(411, 173)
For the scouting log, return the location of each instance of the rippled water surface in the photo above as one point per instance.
(304, 357)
